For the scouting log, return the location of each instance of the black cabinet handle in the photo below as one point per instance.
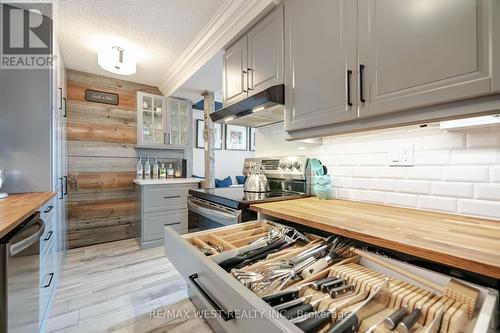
(65, 185)
(226, 315)
(172, 197)
(349, 75)
(48, 209)
(49, 236)
(64, 102)
(50, 280)
(60, 98)
(62, 188)
(361, 94)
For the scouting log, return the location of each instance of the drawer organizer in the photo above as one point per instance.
(349, 292)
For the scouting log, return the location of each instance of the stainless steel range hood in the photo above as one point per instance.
(260, 109)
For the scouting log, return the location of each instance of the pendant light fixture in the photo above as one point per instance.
(116, 60)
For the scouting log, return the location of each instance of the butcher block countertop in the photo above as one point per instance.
(469, 243)
(18, 207)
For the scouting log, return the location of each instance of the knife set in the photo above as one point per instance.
(348, 297)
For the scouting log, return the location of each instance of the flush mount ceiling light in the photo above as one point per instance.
(116, 60)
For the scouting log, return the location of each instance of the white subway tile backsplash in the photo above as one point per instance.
(495, 174)
(401, 199)
(454, 171)
(425, 172)
(438, 203)
(453, 189)
(475, 157)
(488, 191)
(479, 208)
(414, 186)
(476, 174)
(433, 157)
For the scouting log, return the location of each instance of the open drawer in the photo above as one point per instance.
(241, 310)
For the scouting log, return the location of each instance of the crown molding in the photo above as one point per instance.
(232, 18)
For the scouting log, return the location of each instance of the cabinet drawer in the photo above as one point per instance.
(47, 280)
(154, 223)
(48, 236)
(164, 198)
(214, 289)
(47, 210)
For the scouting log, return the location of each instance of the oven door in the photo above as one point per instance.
(204, 214)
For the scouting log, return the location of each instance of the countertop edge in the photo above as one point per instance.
(143, 182)
(13, 224)
(415, 250)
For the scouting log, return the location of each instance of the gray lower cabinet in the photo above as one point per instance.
(239, 310)
(163, 205)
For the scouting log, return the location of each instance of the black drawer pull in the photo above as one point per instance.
(48, 209)
(172, 197)
(65, 185)
(226, 315)
(361, 93)
(349, 74)
(175, 223)
(49, 236)
(50, 280)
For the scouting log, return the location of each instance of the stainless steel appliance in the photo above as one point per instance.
(260, 109)
(287, 179)
(19, 277)
(256, 181)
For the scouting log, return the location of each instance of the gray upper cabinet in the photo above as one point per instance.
(265, 52)
(235, 82)
(320, 62)
(418, 53)
(255, 61)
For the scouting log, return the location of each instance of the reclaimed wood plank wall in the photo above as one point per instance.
(102, 204)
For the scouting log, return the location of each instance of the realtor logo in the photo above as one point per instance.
(26, 35)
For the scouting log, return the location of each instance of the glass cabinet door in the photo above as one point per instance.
(179, 120)
(152, 119)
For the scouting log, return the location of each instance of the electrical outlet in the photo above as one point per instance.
(402, 155)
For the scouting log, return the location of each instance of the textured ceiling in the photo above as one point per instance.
(157, 31)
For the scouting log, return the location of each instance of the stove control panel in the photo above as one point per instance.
(286, 167)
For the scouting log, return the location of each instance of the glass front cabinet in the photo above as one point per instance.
(163, 122)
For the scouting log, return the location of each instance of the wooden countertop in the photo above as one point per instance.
(18, 207)
(469, 243)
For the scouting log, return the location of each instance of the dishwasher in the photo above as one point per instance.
(19, 277)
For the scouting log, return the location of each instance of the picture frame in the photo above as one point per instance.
(102, 97)
(200, 139)
(251, 138)
(236, 137)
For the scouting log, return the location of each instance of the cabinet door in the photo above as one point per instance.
(265, 52)
(320, 61)
(179, 123)
(422, 52)
(150, 119)
(235, 79)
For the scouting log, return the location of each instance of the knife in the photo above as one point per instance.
(292, 303)
(316, 285)
(407, 323)
(376, 302)
(303, 308)
(332, 284)
(339, 291)
(394, 318)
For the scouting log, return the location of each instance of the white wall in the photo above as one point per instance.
(227, 162)
(454, 171)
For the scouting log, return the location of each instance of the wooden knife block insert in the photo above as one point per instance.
(402, 293)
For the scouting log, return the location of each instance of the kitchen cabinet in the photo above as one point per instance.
(255, 61)
(265, 52)
(163, 122)
(418, 53)
(320, 58)
(179, 123)
(212, 288)
(161, 205)
(407, 62)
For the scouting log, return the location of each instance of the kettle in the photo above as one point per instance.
(256, 181)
